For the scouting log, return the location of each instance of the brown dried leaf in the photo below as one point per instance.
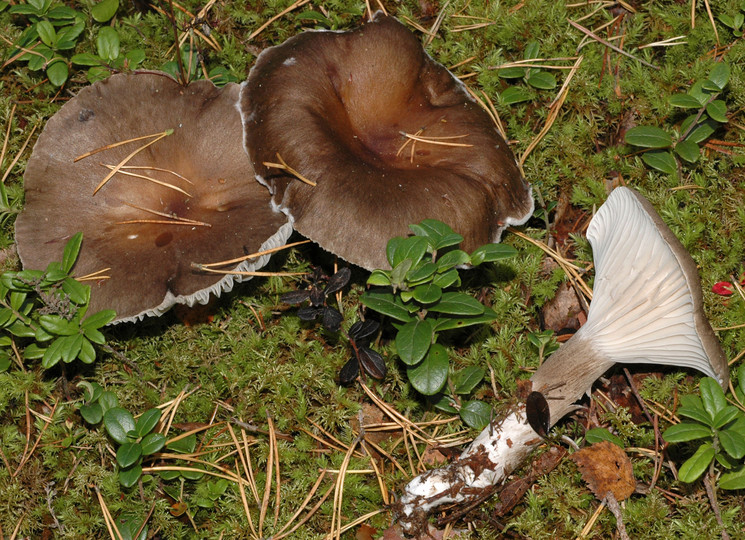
(606, 467)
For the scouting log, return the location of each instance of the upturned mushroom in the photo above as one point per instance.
(382, 136)
(646, 308)
(155, 176)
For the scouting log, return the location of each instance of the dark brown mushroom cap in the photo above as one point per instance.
(334, 106)
(149, 263)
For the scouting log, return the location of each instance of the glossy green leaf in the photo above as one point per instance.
(427, 294)
(712, 396)
(717, 110)
(697, 464)
(686, 431)
(413, 247)
(451, 259)
(57, 72)
(430, 375)
(725, 416)
(514, 94)
(118, 422)
(476, 414)
(421, 273)
(688, 150)
(192, 475)
(465, 380)
(542, 80)
(451, 323)
(185, 445)
(129, 477)
(104, 10)
(719, 76)
(147, 421)
(444, 403)
(70, 347)
(733, 480)
(54, 324)
(108, 400)
(71, 252)
(152, 443)
(379, 277)
(456, 303)
(52, 354)
(685, 101)
(92, 414)
(492, 253)
(99, 319)
(128, 454)
(512, 72)
(46, 32)
(387, 304)
(86, 59)
(129, 525)
(87, 353)
(447, 279)
(648, 137)
(398, 274)
(108, 43)
(661, 160)
(413, 341)
(733, 443)
(597, 435)
(439, 235)
(391, 247)
(701, 133)
(21, 329)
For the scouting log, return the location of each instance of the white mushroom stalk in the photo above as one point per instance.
(646, 308)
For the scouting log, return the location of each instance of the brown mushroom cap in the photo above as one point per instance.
(335, 105)
(149, 262)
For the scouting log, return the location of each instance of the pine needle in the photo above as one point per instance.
(148, 178)
(286, 167)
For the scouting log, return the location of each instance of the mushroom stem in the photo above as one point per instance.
(506, 442)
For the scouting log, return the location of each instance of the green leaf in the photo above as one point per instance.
(137, 56)
(387, 304)
(686, 431)
(71, 252)
(512, 72)
(413, 247)
(398, 274)
(661, 160)
(129, 477)
(597, 435)
(717, 110)
(46, 32)
(86, 59)
(128, 454)
(105, 10)
(192, 475)
(733, 443)
(87, 353)
(118, 422)
(452, 259)
(54, 324)
(108, 43)
(379, 277)
(99, 319)
(57, 72)
(701, 133)
(476, 414)
(465, 380)
(431, 374)
(52, 354)
(438, 234)
(456, 303)
(725, 416)
(92, 414)
(685, 101)
(719, 76)
(492, 253)
(185, 445)
(514, 94)
(5, 359)
(108, 400)
(648, 137)
(152, 443)
(391, 247)
(421, 273)
(733, 480)
(450, 323)
(413, 341)
(688, 150)
(427, 294)
(443, 402)
(147, 421)
(712, 396)
(447, 279)
(697, 464)
(70, 347)
(129, 525)
(542, 80)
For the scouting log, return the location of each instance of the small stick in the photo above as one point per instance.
(130, 156)
(285, 166)
(149, 179)
(609, 45)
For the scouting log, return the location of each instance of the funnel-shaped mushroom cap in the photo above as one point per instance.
(337, 108)
(206, 208)
(647, 303)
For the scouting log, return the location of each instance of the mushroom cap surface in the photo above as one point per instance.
(336, 105)
(149, 263)
(647, 302)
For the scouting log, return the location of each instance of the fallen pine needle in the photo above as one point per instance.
(204, 266)
(148, 178)
(286, 167)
